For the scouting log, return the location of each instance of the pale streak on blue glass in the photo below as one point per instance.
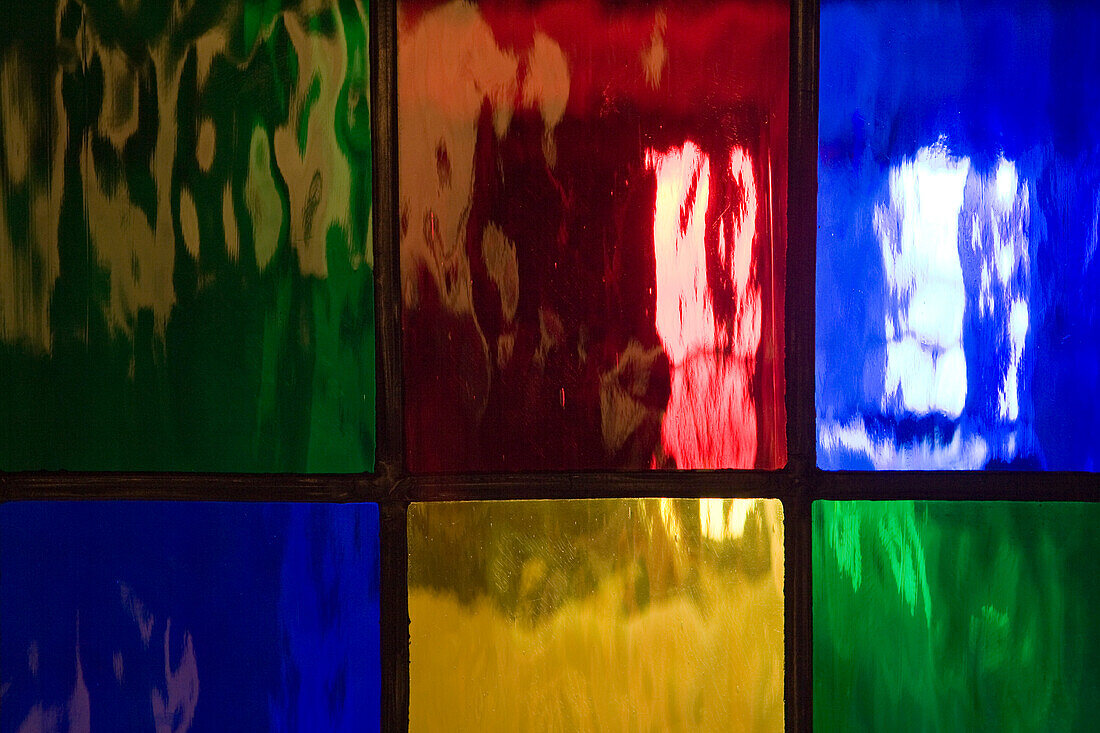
(918, 230)
(958, 218)
(189, 616)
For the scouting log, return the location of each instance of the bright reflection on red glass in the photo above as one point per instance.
(710, 421)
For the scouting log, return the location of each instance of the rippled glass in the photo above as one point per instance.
(185, 236)
(593, 615)
(958, 211)
(955, 616)
(178, 616)
(592, 222)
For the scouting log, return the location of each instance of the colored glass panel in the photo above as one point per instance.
(592, 222)
(189, 616)
(636, 614)
(958, 210)
(185, 240)
(955, 616)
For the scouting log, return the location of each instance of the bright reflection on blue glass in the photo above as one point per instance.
(958, 287)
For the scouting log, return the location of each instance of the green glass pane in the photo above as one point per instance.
(185, 236)
(955, 615)
(596, 615)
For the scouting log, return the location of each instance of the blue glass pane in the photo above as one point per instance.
(958, 207)
(142, 616)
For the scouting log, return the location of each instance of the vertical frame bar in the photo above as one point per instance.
(387, 257)
(390, 464)
(800, 361)
(395, 616)
(801, 238)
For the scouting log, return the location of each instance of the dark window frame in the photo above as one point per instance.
(393, 488)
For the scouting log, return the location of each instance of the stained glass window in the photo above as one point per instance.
(604, 237)
(958, 201)
(935, 615)
(592, 225)
(185, 237)
(596, 615)
(175, 616)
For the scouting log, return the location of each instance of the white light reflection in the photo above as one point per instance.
(918, 230)
(954, 244)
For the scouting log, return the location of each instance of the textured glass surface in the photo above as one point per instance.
(592, 224)
(185, 241)
(958, 324)
(170, 617)
(596, 615)
(955, 616)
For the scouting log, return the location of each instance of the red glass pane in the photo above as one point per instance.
(592, 218)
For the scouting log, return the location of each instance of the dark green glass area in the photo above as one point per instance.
(185, 236)
(932, 616)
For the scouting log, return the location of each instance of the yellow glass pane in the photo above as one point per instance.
(596, 615)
